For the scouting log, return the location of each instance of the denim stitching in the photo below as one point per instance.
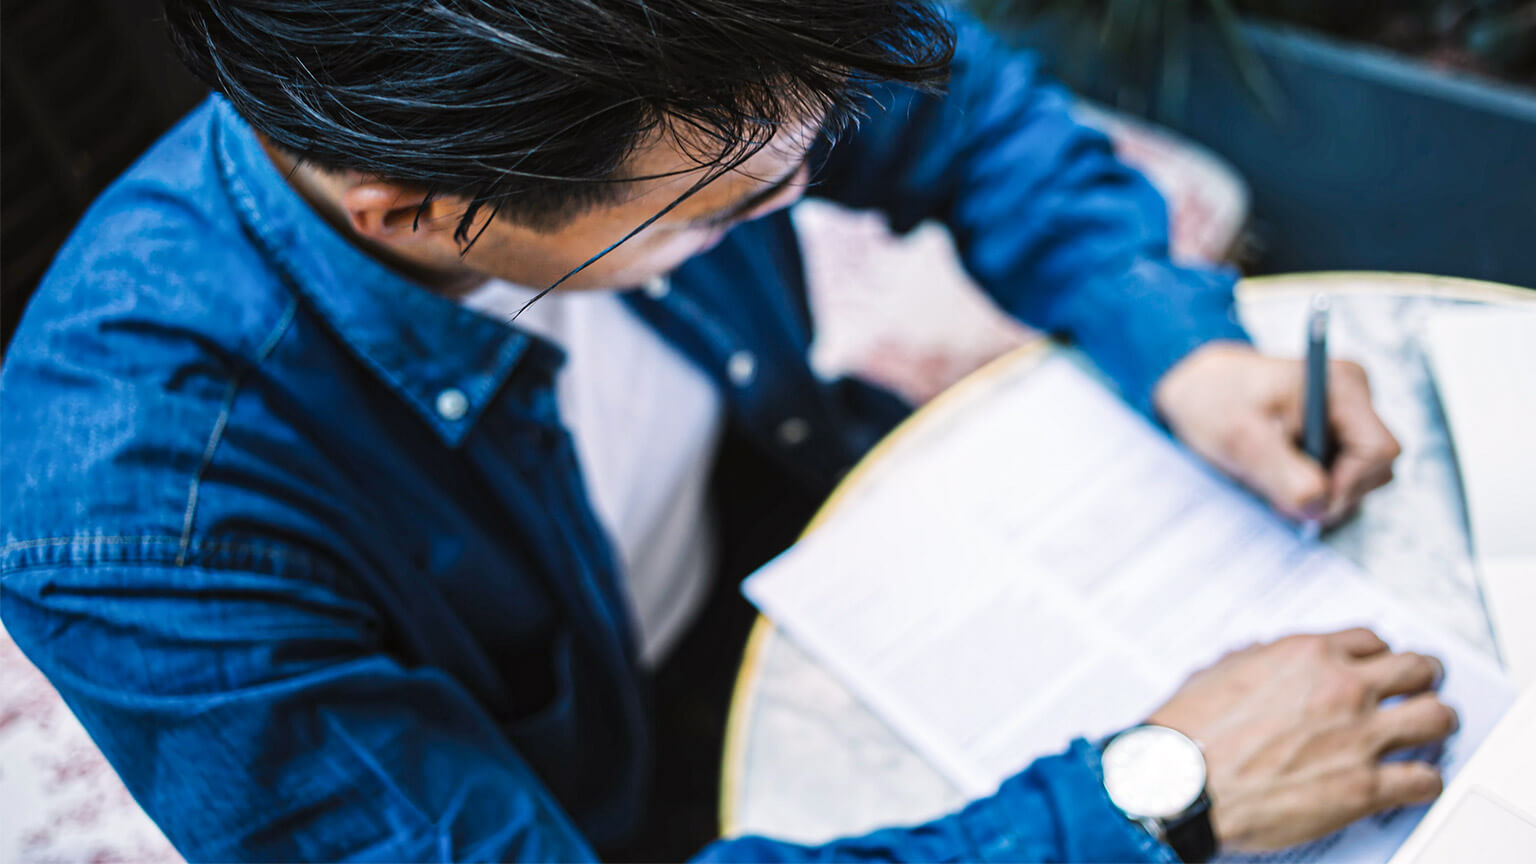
(222, 422)
(275, 555)
(110, 539)
(130, 539)
(197, 476)
(244, 199)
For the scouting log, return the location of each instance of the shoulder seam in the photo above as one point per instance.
(217, 435)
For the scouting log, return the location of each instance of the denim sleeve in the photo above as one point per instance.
(256, 719)
(1047, 220)
(1055, 810)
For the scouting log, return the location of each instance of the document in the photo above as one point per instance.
(1055, 566)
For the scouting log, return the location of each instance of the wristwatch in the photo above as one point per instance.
(1156, 777)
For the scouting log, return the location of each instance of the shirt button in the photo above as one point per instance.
(658, 287)
(452, 404)
(793, 431)
(742, 368)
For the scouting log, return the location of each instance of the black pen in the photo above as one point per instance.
(1314, 434)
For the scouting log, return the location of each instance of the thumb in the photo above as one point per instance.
(1289, 479)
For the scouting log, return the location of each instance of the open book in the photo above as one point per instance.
(1054, 567)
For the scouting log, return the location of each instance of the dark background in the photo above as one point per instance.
(1375, 164)
(87, 86)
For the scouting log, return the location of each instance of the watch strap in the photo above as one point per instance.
(1190, 834)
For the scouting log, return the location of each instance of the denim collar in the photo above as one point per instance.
(422, 345)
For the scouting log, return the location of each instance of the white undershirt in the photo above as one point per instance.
(646, 423)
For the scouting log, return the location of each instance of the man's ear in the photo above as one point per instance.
(393, 215)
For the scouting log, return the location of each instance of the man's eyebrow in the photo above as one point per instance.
(754, 200)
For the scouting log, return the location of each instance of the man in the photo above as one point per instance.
(335, 560)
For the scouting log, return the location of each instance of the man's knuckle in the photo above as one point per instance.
(1231, 654)
(1382, 450)
(1359, 787)
(1300, 492)
(1315, 645)
(1341, 691)
(1364, 634)
(1238, 441)
(1306, 648)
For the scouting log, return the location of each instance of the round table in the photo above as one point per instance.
(805, 760)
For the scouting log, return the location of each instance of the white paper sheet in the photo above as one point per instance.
(1055, 567)
(1484, 362)
(1489, 812)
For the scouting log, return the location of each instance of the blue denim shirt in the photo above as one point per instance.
(314, 605)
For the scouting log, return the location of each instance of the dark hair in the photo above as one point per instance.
(531, 107)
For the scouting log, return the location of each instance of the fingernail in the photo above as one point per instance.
(1439, 674)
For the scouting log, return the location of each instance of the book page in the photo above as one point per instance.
(1055, 567)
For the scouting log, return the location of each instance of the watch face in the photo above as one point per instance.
(1153, 772)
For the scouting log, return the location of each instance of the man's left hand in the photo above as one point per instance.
(1242, 411)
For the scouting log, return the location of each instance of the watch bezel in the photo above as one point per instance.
(1171, 738)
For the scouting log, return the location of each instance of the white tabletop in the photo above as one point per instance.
(807, 761)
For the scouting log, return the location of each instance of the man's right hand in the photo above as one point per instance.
(1294, 733)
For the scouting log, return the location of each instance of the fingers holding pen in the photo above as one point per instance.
(1366, 448)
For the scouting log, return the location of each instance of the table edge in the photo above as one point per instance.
(744, 689)
(1397, 284)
